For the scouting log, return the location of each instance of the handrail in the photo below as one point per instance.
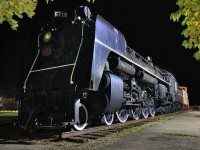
(147, 61)
(24, 87)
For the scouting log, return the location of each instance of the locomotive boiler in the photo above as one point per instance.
(84, 72)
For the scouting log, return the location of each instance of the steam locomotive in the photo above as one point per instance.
(84, 73)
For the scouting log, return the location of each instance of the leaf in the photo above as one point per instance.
(30, 14)
(178, 16)
(197, 55)
(2, 19)
(5, 4)
(186, 46)
(180, 3)
(174, 18)
(171, 16)
(190, 45)
(13, 23)
(184, 43)
(184, 22)
(195, 8)
(185, 33)
(14, 26)
(18, 13)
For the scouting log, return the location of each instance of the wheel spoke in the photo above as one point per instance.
(122, 115)
(152, 111)
(83, 118)
(135, 113)
(145, 112)
(108, 118)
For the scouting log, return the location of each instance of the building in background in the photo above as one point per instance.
(8, 104)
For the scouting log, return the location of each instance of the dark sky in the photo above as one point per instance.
(144, 23)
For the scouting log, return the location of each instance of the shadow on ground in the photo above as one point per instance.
(14, 135)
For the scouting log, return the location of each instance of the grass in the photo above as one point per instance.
(8, 117)
(134, 130)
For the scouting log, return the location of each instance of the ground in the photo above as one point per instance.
(180, 133)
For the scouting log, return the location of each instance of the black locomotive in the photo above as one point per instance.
(84, 72)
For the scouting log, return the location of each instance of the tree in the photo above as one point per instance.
(188, 14)
(11, 8)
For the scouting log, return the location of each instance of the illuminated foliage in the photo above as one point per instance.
(188, 14)
(91, 1)
(11, 8)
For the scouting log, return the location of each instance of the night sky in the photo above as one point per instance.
(144, 23)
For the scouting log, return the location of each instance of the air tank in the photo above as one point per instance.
(145, 77)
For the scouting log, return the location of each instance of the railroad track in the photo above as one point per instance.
(101, 131)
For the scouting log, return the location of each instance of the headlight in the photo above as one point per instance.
(47, 37)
